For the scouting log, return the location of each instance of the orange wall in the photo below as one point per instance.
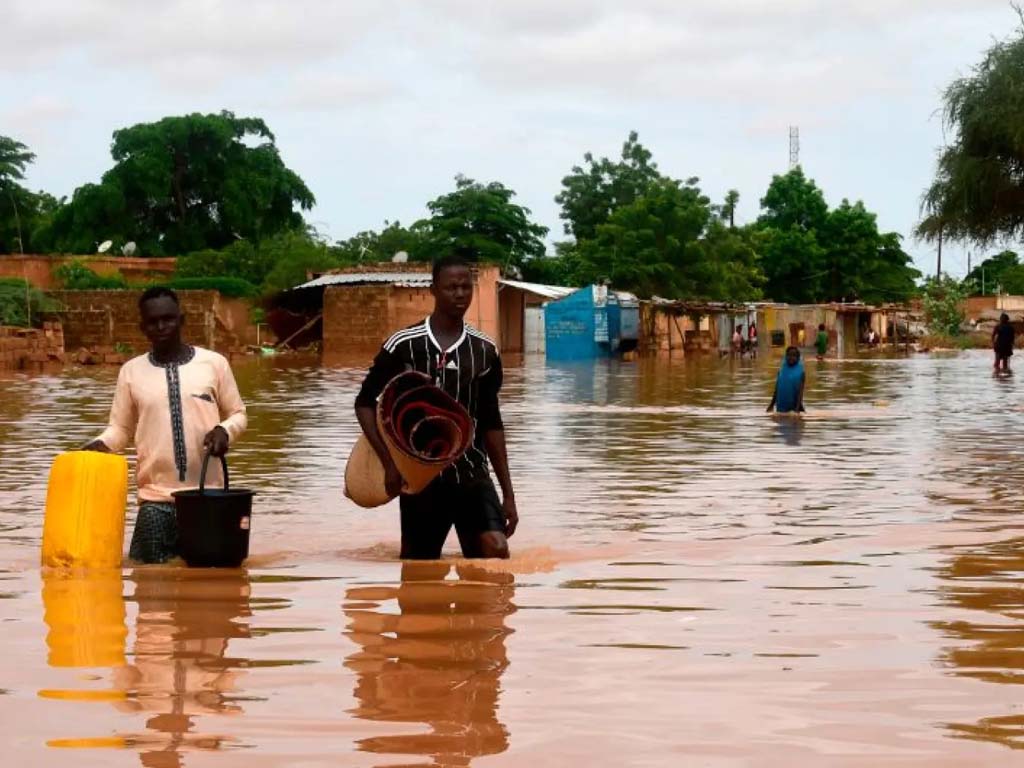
(358, 318)
(38, 270)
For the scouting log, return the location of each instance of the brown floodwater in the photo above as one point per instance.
(693, 583)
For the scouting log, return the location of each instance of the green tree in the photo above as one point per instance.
(860, 262)
(374, 247)
(295, 255)
(591, 193)
(732, 199)
(184, 184)
(977, 193)
(561, 268)
(793, 263)
(793, 201)
(1012, 280)
(75, 275)
(730, 263)
(241, 259)
(989, 275)
(482, 222)
(650, 246)
(14, 158)
(810, 253)
(22, 305)
(944, 300)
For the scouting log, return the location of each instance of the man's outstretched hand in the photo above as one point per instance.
(96, 445)
(216, 441)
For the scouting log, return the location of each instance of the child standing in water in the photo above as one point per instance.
(821, 342)
(789, 385)
(1002, 343)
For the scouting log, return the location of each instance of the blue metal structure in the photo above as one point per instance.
(589, 323)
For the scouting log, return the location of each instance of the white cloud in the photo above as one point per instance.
(377, 104)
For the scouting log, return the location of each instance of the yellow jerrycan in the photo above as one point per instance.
(85, 506)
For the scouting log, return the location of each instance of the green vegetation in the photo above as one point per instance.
(20, 303)
(23, 214)
(76, 276)
(976, 194)
(481, 222)
(234, 287)
(943, 301)
(213, 190)
(184, 184)
(1002, 273)
(813, 254)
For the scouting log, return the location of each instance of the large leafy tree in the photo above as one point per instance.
(650, 245)
(793, 210)
(978, 190)
(23, 214)
(990, 275)
(809, 253)
(372, 246)
(592, 192)
(184, 184)
(481, 222)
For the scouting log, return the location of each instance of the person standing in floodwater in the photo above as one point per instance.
(789, 384)
(737, 340)
(1002, 343)
(176, 402)
(821, 341)
(465, 363)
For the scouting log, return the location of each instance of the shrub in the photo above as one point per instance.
(234, 287)
(944, 300)
(76, 276)
(240, 259)
(18, 300)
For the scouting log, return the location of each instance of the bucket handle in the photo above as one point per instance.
(206, 463)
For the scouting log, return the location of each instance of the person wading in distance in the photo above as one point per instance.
(176, 402)
(465, 363)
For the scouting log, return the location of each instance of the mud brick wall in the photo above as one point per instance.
(356, 320)
(39, 269)
(104, 319)
(20, 347)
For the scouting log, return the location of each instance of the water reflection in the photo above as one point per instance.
(84, 613)
(988, 646)
(181, 666)
(789, 428)
(437, 661)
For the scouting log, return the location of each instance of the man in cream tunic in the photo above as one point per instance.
(176, 402)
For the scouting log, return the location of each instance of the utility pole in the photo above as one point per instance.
(938, 267)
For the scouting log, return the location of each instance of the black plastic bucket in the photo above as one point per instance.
(213, 523)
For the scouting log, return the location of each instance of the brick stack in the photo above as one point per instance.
(21, 347)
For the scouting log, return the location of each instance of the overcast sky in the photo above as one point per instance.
(377, 105)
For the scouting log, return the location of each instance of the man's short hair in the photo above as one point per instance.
(157, 292)
(448, 262)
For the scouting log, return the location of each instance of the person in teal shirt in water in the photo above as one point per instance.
(789, 386)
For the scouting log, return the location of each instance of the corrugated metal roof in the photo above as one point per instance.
(401, 279)
(547, 291)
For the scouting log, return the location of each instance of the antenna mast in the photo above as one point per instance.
(794, 146)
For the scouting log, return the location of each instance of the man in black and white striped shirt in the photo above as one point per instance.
(464, 363)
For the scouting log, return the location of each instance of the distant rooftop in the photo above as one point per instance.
(547, 291)
(400, 279)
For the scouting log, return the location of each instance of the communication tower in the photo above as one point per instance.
(794, 146)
